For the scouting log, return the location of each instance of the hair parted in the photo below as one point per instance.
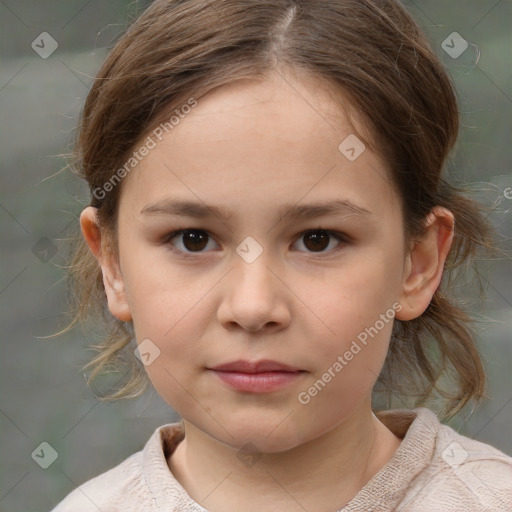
(373, 53)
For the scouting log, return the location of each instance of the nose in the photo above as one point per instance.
(254, 298)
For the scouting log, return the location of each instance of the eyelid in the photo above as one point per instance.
(167, 238)
(340, 236)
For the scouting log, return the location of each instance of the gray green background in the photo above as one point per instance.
(44, 397)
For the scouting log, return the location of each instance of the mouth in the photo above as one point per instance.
(257, 377)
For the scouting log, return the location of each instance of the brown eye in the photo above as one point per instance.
(316, 240)
(187, 242)
(319, 240)
(195, 240)
(192, 240)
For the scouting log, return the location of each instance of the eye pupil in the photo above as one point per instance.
(194, 240)
(320, 240)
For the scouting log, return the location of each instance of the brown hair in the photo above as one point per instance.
(372, 52)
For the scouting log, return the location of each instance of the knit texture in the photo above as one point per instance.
(435, 469)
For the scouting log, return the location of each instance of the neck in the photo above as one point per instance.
(322, 474)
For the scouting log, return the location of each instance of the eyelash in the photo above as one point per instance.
(340, 237)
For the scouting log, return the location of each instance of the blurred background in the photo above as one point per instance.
(50, 51)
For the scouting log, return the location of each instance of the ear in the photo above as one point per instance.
(425, 264)
(112, 278)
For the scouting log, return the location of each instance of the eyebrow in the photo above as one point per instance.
(293, 211)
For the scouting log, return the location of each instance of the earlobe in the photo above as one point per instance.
(112, 277)
(425, 262)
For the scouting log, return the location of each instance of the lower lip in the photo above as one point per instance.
(264, 382)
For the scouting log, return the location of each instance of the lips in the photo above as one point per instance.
(254, 367)
(257, 377)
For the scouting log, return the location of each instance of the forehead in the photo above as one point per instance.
(288, 106)
(260, 142)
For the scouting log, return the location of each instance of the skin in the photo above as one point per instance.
(252, 147)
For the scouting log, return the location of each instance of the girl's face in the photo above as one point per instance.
(299, 257)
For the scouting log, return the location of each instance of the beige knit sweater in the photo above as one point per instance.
(434, 470)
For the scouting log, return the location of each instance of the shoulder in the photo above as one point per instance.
(127, 486)
(110, 490)
(462, 474)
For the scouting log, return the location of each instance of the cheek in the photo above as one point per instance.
(175, 323)
(346, 376)
(170, 310)
(352, 360)
(357, 310)
(161, 294)
(354, 295)
(181, 356)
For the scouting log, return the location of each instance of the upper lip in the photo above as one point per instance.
(255, 367)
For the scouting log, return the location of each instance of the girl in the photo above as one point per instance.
(268, 229)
